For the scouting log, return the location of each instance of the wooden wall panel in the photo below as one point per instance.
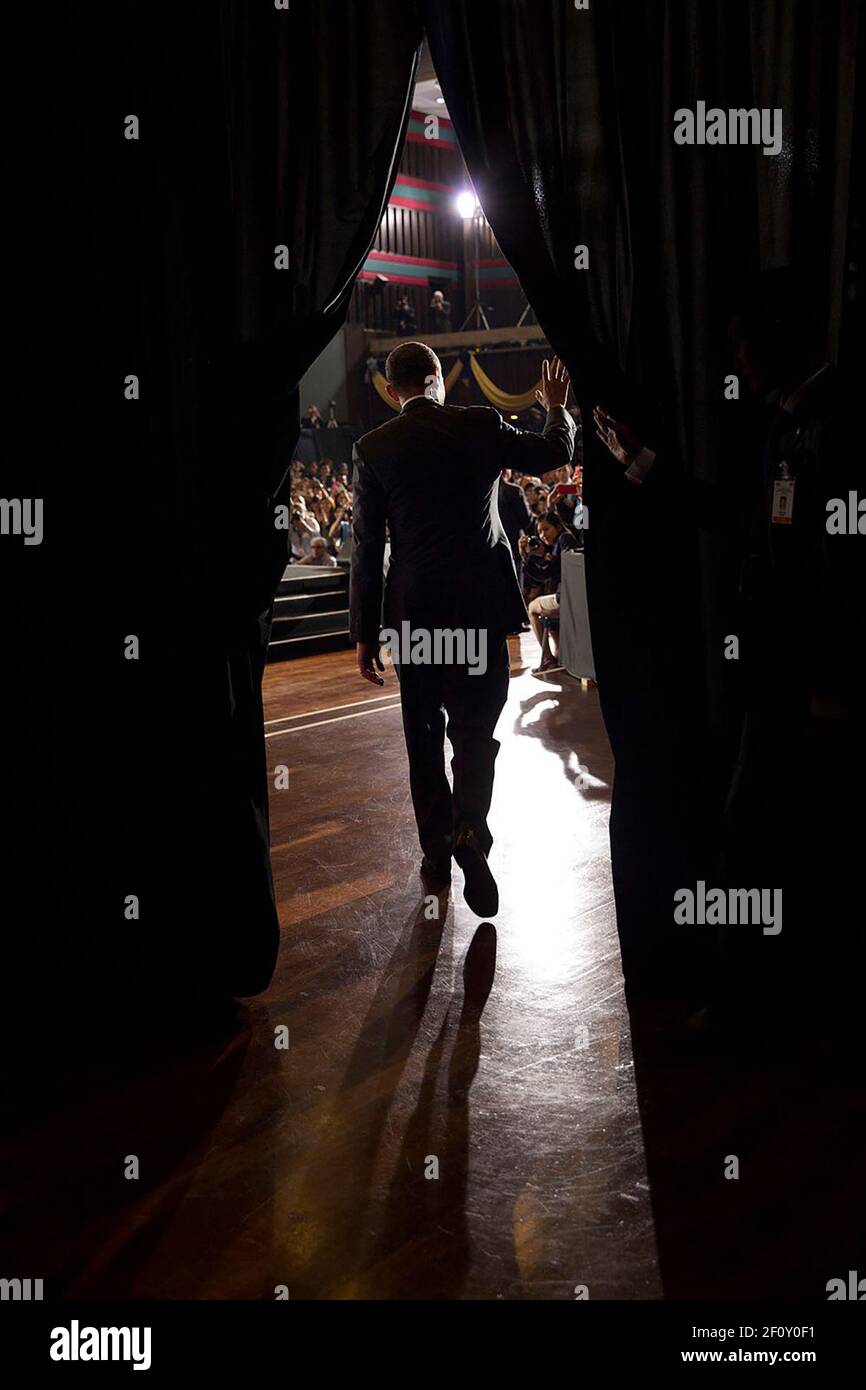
(436, 235)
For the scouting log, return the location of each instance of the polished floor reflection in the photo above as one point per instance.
(455, 1113)
(445, 1146)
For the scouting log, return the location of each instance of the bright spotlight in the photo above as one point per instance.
(466, 204)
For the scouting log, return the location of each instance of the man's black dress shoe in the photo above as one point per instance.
(435, 871)
(479, 889)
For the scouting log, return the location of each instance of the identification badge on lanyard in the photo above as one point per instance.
(783, 501)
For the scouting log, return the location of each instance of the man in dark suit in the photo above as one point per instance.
(787, 819)
(431, 475)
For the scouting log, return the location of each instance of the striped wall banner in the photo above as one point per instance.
(496, 272)
(422, 195)
(406, 270)
(446, 139)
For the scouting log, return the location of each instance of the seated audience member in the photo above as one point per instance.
(319, 554)
(304, 526)
(535, 555)
(543, 564)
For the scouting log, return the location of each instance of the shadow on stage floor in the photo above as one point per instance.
(422, 1106)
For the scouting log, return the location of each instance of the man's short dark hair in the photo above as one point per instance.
(409, 366)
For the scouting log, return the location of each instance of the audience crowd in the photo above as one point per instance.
(542, 518)
(321, 529)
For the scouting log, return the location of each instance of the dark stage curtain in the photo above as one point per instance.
(260, 128)
(566, 121)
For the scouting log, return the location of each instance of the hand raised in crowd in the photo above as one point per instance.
(616, 436)
(554, 384)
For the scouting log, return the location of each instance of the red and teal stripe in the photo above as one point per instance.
(422, 195)
(496, 272)
(417, 132)
(407, 270)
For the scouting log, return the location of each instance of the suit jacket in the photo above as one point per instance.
(432, 476)
(799, 614)
(799, 581)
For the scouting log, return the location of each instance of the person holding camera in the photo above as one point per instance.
(303, 527)
(542, 561)
(565, 499)
(321, 506)
(440, 313)
(404, 317)
(340, 530)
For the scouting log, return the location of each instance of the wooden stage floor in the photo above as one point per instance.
(456, 1115)
(526, 1102)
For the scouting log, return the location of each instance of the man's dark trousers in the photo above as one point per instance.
(472, 704)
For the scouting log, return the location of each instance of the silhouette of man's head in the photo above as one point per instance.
(413, 369)
(774, 328)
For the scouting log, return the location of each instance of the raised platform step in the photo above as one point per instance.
(311, 578)
(311, 611)
(309, 601)
(299, 623)
(286, 649)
